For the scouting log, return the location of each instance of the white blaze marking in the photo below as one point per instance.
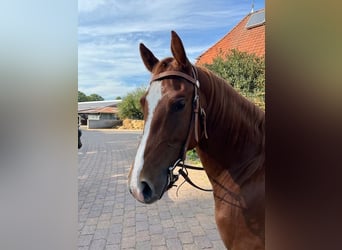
(153, 97)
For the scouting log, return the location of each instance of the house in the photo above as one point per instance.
(98, 114)
(247, 36)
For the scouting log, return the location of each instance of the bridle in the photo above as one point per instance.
(196, 111)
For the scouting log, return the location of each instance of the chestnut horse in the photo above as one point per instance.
(188, 107)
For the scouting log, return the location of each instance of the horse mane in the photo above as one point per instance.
(240, 122)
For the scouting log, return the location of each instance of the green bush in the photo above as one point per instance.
(192, 157)
(245, 72)
(130, 106)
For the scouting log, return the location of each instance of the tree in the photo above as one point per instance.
(82, 97)
(130, 106)
(95, 97)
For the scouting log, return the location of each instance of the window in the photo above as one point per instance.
(256, 19)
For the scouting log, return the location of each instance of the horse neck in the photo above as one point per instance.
(235, 130)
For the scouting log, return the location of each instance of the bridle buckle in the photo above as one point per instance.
(172, 178)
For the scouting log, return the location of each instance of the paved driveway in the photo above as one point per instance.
(110, 218)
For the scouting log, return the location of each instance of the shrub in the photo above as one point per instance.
(130, 106)
(192, 157)
(245, 72)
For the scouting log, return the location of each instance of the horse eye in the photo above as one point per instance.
(178, 105)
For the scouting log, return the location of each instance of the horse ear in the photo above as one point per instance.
(178, 51)
(148, 58)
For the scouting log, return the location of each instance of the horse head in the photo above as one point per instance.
(168, 112)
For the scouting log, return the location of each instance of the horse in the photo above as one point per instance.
(186, 107)
(79, 138)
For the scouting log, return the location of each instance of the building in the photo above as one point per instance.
(98, 114)
(247, 36)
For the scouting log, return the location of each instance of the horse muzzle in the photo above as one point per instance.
(145, 192)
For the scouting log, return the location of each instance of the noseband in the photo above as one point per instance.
(172, 178)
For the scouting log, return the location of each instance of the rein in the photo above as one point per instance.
(172, 178)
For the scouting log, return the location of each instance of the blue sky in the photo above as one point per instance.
(109, 33)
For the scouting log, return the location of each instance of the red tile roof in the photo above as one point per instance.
(250, 40)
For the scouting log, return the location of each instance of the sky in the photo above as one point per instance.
(110, 31)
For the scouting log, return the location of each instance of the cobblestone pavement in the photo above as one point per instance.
(110, 218)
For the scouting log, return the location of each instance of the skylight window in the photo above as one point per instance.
(256, 19)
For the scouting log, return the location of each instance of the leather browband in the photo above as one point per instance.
(174, 73)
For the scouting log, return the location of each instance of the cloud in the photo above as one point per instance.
(110, 32)
(89, 5)
(106, 68)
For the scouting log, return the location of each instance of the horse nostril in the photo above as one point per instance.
(146, 191)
